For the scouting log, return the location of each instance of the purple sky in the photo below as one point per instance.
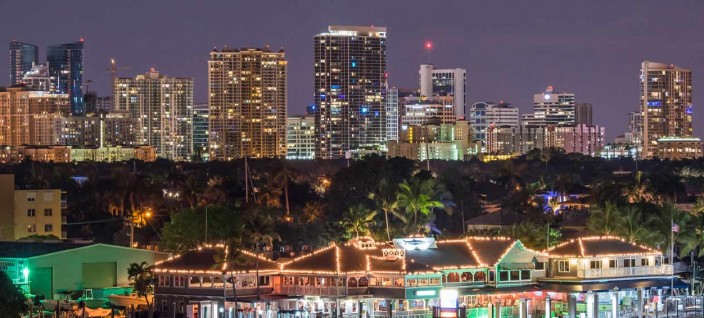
(511, 48)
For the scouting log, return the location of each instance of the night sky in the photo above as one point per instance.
(510, 48)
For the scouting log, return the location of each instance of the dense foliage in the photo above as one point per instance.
(12, 303)
(298, 203)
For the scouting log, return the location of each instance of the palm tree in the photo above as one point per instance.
(357, 219)
(416, 198)
(231, 254)
(604, 220)
(632, 226)
(312, 211)
(142, 280)
(386, 200)
(640, 192)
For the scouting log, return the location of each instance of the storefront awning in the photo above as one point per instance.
(610, 285)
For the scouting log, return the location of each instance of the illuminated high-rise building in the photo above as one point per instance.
(247, 103)
(482, 115)
(66, 70)
(392, 114)
(300, 137)
(349, 90)
(163, 107)
(200, 131)
(445, 82)
(666, 104)
(22, 57)
(551, 108)
(19, 110)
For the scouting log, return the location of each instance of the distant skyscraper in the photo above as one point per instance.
(22, 57)
(392, 114)
(634, 135)
(551, 108)
(583, 114)
(163, 106)
(666, 103)
(419, 111)
(444, 82)
(247, 103)
(66, 70)
(200, 131)
(300, 137)
(350, 77)
(482, 115)
(38, 78)
(20, 109)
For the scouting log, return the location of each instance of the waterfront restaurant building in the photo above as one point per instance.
(419, 278)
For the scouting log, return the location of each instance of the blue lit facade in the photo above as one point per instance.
(66, 70)
(350, 81)
(22, 56)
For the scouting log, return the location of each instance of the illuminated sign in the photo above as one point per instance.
(393, 253)
(415, 243)
(448, 298)
(425, 293)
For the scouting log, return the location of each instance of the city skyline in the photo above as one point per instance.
(594, 54)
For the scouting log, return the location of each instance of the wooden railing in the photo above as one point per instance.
(625, 271)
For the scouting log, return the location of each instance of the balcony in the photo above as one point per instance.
(625, 272)
(311, 290)
(64, 219)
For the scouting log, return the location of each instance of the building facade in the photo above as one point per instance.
(551, 108)
(436, 142)
(201, 122)
(679, 148)
(69, 154)
(422, 110)
(666, 103)
(583, 114)
(300, 138)
(66, 70)
(481, 115)
(22, 57)
(247, 103)
(587, 140)
(420, 277)
(51, 268)
(445, 82)
(350, 78)
(38, 78)
(30, 212)
(163, 107)
(20, 108)
(393, 117)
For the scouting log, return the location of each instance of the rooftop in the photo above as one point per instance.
(596, 246)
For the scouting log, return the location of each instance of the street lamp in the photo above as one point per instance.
(139, 219)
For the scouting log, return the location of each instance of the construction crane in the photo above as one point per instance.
(113, 75)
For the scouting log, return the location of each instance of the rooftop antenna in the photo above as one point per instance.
(428, 48)
(113, 75)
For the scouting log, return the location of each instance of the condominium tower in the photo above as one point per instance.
(247, 103)
(163, 107)
(666, 103)
(66, 70)
(551, 108)
(350, 79)
(444, 82)
(22, 57)
(482, 115)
